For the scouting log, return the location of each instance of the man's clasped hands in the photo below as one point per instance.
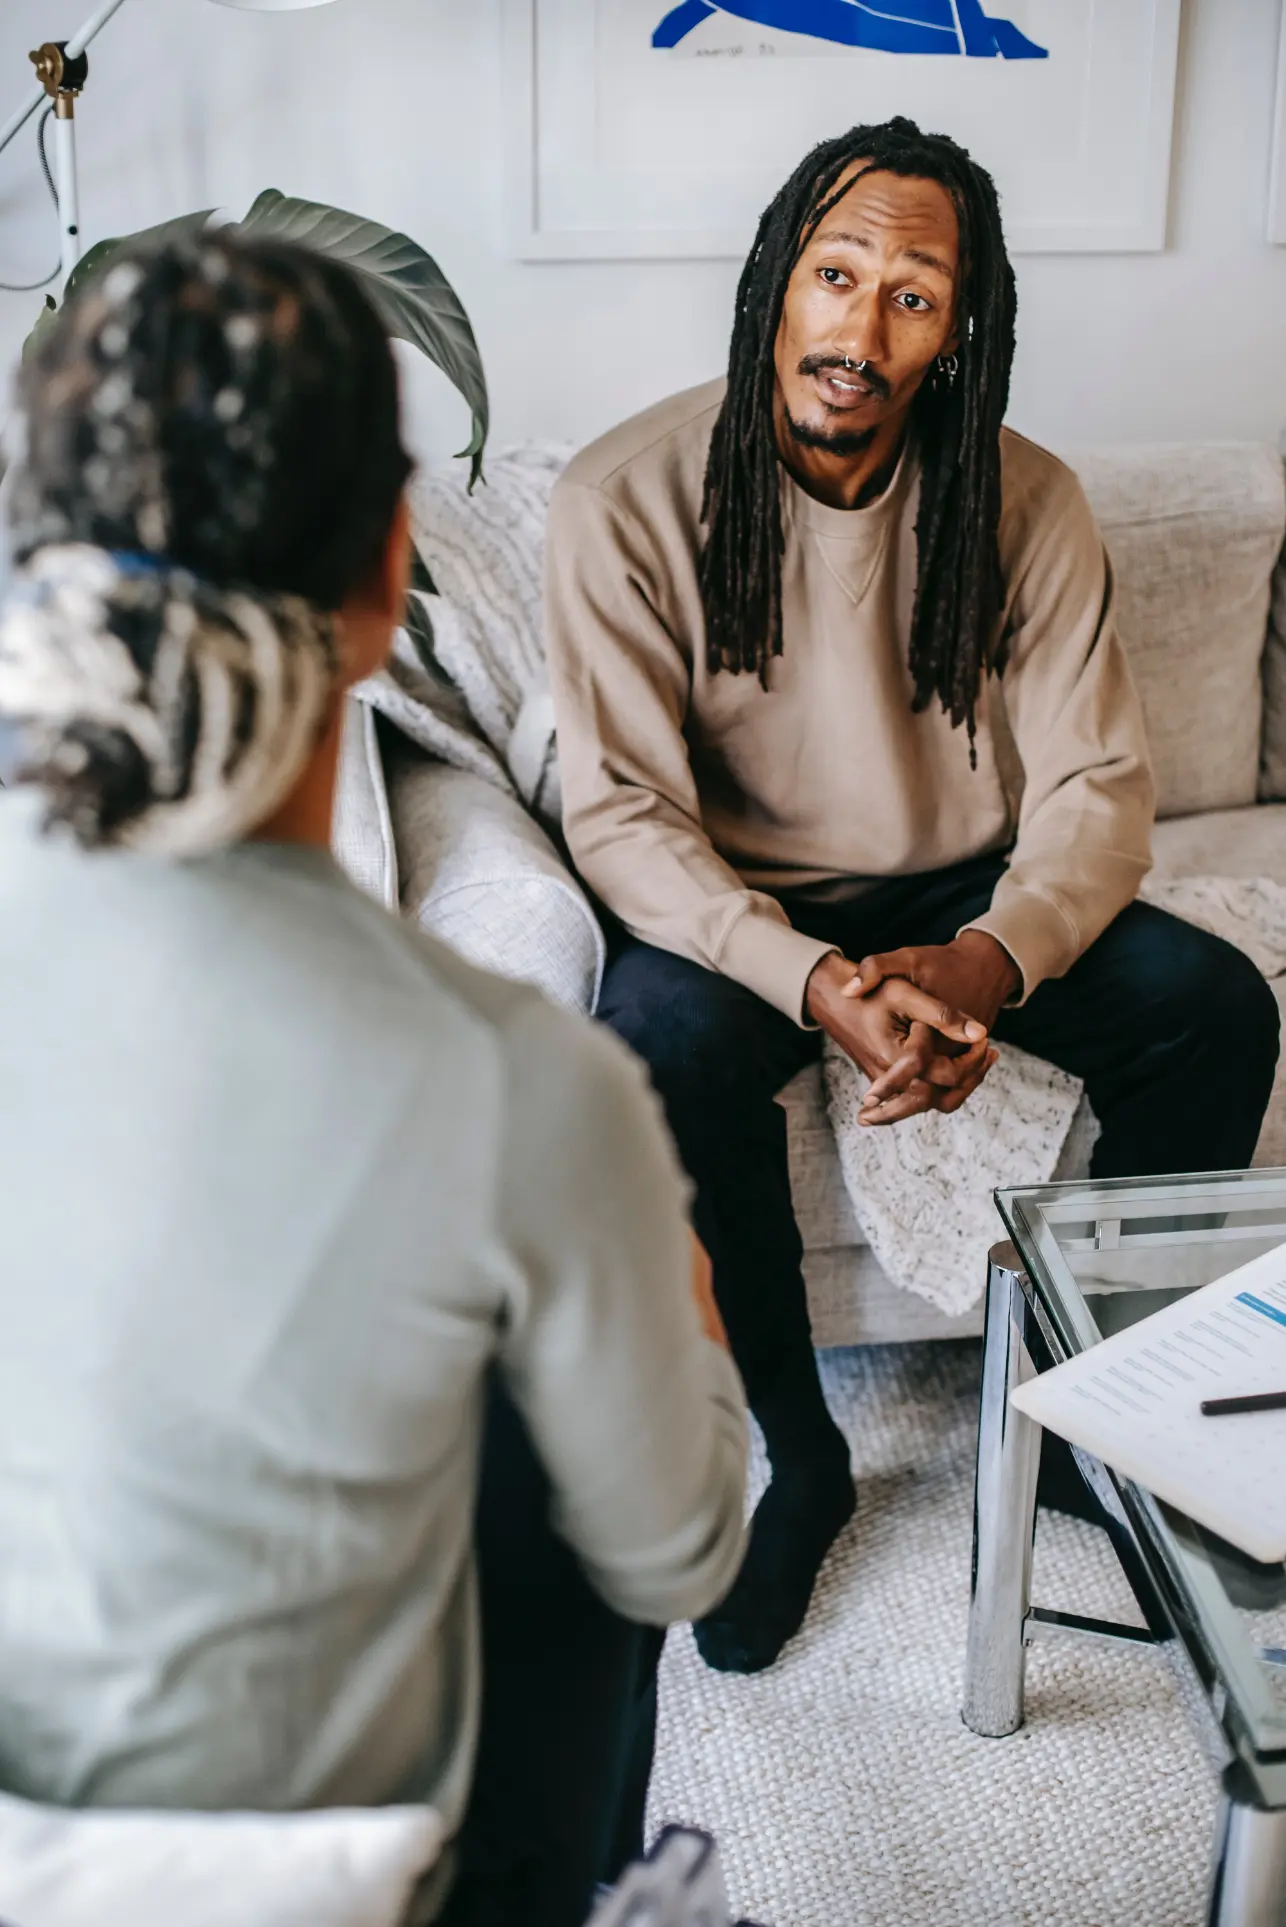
(918, 1020)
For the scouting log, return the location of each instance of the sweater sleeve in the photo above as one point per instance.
(638, 1417)
(1084, 826)
(622, 682)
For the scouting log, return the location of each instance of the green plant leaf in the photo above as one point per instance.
(98, 257)
(413, 297)
(40, 327)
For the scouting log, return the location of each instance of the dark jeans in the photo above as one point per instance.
(1174, 1032)
(568, 1712)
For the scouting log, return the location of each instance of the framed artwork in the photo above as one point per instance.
(1277, 181)
(655, 129)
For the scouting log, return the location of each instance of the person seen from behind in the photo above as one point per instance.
(314, 1236)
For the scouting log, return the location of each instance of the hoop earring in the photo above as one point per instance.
(949, 368)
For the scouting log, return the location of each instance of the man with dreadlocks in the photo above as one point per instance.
(849, 744)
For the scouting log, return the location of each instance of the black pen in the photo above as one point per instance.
(1253, 1402)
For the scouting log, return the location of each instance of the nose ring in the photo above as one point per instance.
(858, 367)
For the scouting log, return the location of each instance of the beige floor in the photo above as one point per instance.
(842, 1784)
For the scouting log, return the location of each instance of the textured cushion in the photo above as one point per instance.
(480, 874)
(1224, 843)
(1272, 767)
(362, 836)
(485, 553)
(817, 1186)
(104, 1869)
(1193, 531)
(851, 1302)
(1237, 843)
(1270, 1152)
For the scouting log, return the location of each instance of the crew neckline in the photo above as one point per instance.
(855, 524)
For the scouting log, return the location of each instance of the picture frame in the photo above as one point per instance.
(617, 150)
(1277, 175)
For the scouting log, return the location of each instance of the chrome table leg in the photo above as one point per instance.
(1004, 1511)
(1249, 1887)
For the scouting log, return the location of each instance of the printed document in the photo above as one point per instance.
(1135, 1402)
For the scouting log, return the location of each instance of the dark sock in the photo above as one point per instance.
(806, 1507)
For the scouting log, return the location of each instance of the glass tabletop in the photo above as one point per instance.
(1100, 1257)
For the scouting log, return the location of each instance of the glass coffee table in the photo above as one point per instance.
(1086, 1260)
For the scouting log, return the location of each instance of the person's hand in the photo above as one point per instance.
(974, 974)
(920, 1053)
(703, 1292)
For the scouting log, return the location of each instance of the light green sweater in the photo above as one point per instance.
(279, 1179)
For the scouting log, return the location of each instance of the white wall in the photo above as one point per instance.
(393, 107)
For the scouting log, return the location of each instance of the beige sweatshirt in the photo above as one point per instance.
(690, 798)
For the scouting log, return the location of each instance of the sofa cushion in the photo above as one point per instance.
(820, 1196)
(1193, 531)
(851, 1302)
(1272, 762)
(1270, 1152)
(480, 874)
(484, 549)
(1224, 843)
(1237, 843)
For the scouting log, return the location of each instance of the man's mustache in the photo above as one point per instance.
(874, 380)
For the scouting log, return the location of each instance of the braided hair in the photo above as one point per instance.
(213, 464)
(955, 640)
(229, 404)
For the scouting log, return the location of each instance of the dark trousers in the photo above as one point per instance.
(1174, 1033)
(568, 1712)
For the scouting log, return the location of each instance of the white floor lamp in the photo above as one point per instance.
(62, 69)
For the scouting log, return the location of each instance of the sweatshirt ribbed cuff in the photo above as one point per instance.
(1036, 933)
(765, 954)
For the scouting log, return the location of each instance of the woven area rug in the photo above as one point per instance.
(842, 1785)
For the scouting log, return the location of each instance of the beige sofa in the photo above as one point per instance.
(1195, 533)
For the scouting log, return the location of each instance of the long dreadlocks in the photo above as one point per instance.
(955, 640)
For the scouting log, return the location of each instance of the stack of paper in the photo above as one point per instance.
(1135, 1402)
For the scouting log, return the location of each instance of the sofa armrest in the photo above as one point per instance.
(361, 832)
(480, 874)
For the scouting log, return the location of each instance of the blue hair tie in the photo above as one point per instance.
(136, 562)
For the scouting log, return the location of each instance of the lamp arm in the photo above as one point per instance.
(75, 46)
(17, 121)
(92, 28)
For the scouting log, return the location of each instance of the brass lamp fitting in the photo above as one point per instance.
(62, 78)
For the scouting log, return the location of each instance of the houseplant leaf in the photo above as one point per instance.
(101, 254)
(413, 297)
(40, 327)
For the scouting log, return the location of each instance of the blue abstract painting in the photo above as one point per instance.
(888, 26)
